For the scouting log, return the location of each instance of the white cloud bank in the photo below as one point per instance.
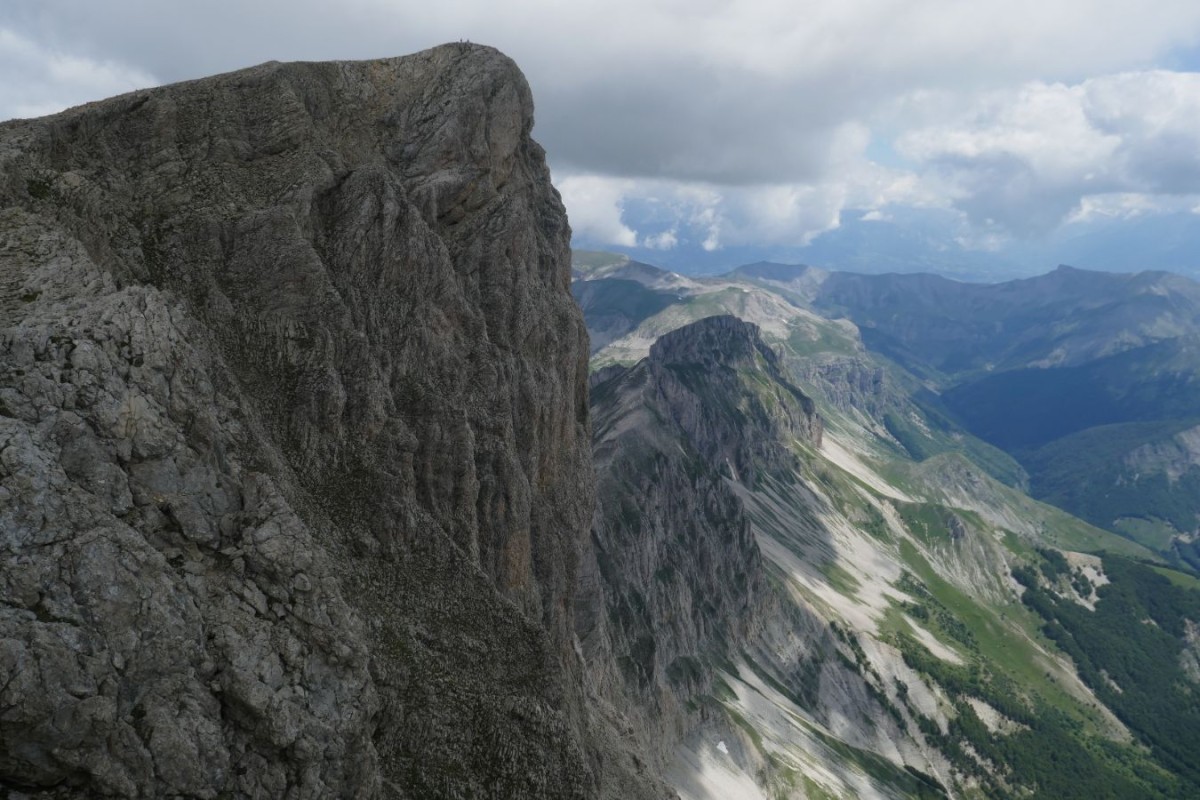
(596, 205)
(1031, 157)
(734, 121)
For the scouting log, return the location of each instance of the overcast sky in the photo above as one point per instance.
(716, 126)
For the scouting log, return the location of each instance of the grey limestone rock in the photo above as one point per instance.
(294, 442)
(705, 367)
(689, 444)
(674, 583)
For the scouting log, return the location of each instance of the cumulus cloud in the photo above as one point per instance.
(1155, 116)
(1122, 206)
(712, 217)
(744, 119)
(595, 206)
(665, 240)
(1031, 157)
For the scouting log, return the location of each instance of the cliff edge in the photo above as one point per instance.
(294, 441)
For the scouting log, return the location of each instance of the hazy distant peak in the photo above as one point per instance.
(772, 271)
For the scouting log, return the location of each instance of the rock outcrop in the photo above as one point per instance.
(294, 442)
(726, 390)
(675, 584)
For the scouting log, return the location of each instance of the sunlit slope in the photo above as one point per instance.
(893, 588)
(1088, 379)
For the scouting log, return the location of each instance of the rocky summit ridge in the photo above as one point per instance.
(294, 442)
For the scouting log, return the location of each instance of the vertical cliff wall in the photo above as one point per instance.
(294, 447)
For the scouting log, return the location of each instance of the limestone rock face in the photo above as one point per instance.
(718, 361)
(294, 441)
(675, 582)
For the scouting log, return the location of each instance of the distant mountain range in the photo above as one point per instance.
(939, 241)
(1089, 381)
(805, 537)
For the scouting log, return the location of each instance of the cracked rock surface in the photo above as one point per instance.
(294, 442)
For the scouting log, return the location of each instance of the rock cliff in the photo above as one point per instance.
(675, 584)
(726, 391)
(294, 441)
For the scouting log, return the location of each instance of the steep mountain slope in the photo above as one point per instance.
(1084, 377)
(854, 388)
(1142, 479)
(677, 580)
(900, 572)
(684, 600)
(294, 443)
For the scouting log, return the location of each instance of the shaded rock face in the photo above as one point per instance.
(675, 582)
(294, 447)
(725, 388)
